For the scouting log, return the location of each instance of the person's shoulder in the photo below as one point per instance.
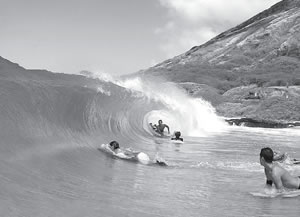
(118, 151)
(277, 170)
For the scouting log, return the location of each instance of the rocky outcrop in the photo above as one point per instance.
(280, 105)
(203, 91)
(251, 105)
(249, 122)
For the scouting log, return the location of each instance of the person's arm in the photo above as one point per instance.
(277, 180)
(269, 180)
(129, 151)
(108, 148)
(168, 128)
(280, 157)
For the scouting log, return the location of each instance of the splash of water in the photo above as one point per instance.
(192, 116)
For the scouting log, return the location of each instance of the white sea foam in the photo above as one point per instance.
(191, 116)
(101, 90)
(231, 165)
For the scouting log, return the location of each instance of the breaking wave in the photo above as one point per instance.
(36, 110)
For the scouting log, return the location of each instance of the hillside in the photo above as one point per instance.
(250, 73)
(13, 72)
(264, 50)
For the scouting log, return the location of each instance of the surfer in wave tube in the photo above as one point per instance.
(277, 174)
(161, 127)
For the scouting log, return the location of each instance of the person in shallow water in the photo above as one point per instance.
(275, 173)
(161, 127)
(177, 136)
(129, 153)
(115, 147)
(284, 158)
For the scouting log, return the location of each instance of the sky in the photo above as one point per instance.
(112, 36)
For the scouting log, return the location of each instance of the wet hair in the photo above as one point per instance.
(267, 154)
(177, 134)
(159, 121)
(114, 144)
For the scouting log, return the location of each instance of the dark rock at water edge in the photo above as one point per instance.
(248, 122)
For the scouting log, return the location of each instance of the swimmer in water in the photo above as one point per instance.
(284, 158)
(275, 173)
(161, 127)
(177, 136)
(115, 148)
(129, 153)
(279, 157)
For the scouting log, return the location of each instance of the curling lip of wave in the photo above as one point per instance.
(36, 105)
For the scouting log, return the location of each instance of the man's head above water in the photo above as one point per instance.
(114, 145)
(267, 154)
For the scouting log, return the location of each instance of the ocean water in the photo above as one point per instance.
(50, 135)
